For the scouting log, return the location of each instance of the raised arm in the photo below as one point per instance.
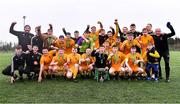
(64, 31)
(101, 25)
(112, 29)
(12, 31)
(171, 29)
(117, 28)
(51, 27)
(87, 29)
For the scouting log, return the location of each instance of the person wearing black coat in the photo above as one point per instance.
(17, 63)
(161, 44)
(24, 37)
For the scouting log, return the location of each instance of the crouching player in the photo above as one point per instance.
(18, 62)
(152, 57)
(45, 61)
(58, 66)
(73, 65)
(33, 63)
(116, 58)
(131, 63)
(86, 63)
(101, 65)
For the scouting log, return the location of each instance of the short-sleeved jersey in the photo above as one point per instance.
(46, 59)
(117, 59)
(126, 46)
(144, 41)
(69, 44)
(85, 56)
(132, 58)
(73, 59)
(60, 59)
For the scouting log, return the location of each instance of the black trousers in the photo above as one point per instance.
(7, 71)
(30, 69)
(166, 58)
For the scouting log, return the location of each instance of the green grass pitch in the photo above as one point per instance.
(90, 91)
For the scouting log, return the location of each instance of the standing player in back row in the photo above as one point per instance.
(24, 37)
(127, 44)
(94, 35)
(144, 40)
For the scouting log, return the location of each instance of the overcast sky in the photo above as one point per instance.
(76, 14)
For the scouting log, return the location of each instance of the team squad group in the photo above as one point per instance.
(112, 55)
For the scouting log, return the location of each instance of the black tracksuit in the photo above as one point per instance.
(18, 63)
(101, 59)
(24, 38)
(161, 44)
(30, 66)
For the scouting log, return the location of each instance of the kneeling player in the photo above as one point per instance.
(18, 62)
(86, 63)
(45, 61)
(116, 58)
(132, 61)
(73, 64)
(101, 66)
(33, 63)
(58, 65)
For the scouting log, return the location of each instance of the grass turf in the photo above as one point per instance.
(90, 91)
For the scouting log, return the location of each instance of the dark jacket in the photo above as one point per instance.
(161, 42)
(24, 38)
(31, 58)
(101, 59)
(19, 60)
(38, 41)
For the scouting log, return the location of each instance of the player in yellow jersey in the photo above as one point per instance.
(144, 40)
(59, 43)
(113, 35)
(94, 35)
(69, 42)
(45, 61)
(86, 63)
(107, 47)
(58, 65)
(115, 58)
(132, 62)
(117, 43)
(73, 64)
(127, 44)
